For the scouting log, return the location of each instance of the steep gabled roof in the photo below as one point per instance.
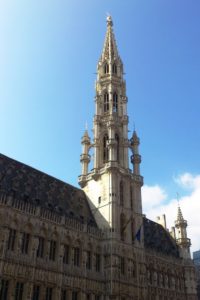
(30, 185)
(158, 239)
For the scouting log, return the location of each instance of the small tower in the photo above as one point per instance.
(181, 235)
(136, 157)
(85, 157)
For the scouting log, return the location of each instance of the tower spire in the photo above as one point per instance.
(110, 52)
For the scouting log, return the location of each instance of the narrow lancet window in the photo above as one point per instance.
(133, 230)
(122, 227)
(121, 193)
(106, 68)
(131, 197)
(106, 102)
(105, 148)
(115, 102)
(114, 68)
(117, 146)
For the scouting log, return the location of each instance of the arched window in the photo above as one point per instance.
(117, 146)
(115, 102)
(106, 102)
(106, 68)
(105, 148)
(131, 197)
(121, 193)
(122, 227)
(133, 230)
(114, 68)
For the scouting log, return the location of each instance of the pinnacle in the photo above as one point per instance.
(179, 214)
(135, 140)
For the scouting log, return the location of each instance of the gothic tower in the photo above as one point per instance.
(113, 190)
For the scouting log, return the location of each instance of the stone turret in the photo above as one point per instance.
(85, 157)
(136, 157)
(181, 235)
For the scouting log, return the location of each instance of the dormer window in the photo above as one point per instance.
(114, 68)
(106, 102)
(115, 102)
(106, 68)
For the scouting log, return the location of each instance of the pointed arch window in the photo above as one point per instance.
(131, 197)
(121, 193)
(133, 230)
(114, 68)
(106, 68)
(115, 102)
(117, 146)
(105, 148)
(106, 102)
(122, 227)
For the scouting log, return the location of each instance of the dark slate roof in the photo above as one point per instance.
(158, 239)
(30, 185)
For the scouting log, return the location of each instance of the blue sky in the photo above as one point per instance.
(48, 56)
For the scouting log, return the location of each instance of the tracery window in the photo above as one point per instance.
(97, 262)
(115, 102)
(106, 102)
(64, 295)
(117, 146)
(66, 254)
(52, 252)
(36, 292)
(106, 68)
(11, 239)
(25, 242)
(76, 256)
(88, 260)
(114, 68)
(40, 250)
(121, 193)
(105, 148)
(74, 295)
(122, 265)
(133, 230)
(122, 228)
(131, 197)
(4, 289)
(49, 293)
(19, 290)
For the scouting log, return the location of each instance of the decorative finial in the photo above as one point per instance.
(177, 198)
(133, 126)
(109, 21)
(86, 125)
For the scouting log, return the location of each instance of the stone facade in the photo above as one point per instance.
(61, 243)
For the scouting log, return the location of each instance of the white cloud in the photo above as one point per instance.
(153, 196)
(154, 204)
(188, 181)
